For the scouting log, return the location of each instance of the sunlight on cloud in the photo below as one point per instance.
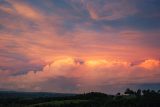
(150, 64)
(25, 10)
(109, 10)
(90, 73)
(105, 63)
(86, 44)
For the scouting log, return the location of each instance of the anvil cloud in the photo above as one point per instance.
(79, 45)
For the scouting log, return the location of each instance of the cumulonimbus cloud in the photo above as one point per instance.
(86, 75)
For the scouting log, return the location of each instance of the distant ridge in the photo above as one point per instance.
(19, 94)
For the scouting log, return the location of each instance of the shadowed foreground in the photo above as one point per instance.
(139, 98)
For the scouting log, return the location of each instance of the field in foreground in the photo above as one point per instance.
(139, 98)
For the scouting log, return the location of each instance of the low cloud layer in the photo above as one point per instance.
(77, 75)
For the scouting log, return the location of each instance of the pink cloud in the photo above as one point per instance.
(24, 9)
(150, 64)
(81, 56)
(110, 10)
(89, 74)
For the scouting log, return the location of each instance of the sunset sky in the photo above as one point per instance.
(75, 46)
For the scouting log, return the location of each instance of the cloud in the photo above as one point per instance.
(83, 45)
(110, 10)
(24, 9)
(6, 7)
(150, 64)
(37, 49)
(66, 75)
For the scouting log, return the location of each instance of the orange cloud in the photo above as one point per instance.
(150, 64)
(105, 63)
(77, 53)
(89, 74)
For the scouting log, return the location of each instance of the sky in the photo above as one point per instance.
(76, 46)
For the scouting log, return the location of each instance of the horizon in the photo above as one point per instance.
(79, 46)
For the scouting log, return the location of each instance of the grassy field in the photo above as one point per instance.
(59, 103)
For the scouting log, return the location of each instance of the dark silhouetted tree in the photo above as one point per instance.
(118, 94)
(138, 93)
(129, 92)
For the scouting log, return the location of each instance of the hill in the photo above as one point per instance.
(139, 98)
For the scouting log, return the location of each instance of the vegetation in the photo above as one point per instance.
(130, 98)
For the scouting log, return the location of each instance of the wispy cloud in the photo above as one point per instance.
(110, 9)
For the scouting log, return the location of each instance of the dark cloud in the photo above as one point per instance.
(61, 84)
